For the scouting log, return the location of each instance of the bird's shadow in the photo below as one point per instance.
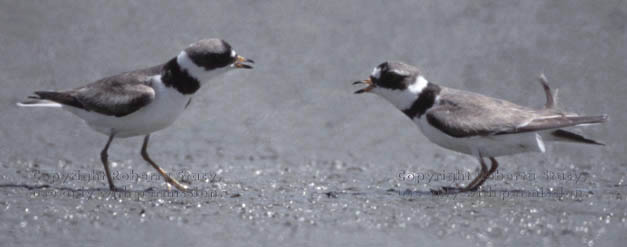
(72, 189)
(408, 193)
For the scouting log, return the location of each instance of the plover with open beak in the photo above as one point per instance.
(471, 123)
(144, 101)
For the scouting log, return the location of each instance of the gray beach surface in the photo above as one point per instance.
(286, 154)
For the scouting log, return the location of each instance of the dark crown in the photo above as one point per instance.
(394, 75)
(211, 53)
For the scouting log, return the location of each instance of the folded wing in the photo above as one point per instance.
(469, 114)
(114, 96)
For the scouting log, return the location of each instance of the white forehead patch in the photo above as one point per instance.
(376, 72)
(233, 53)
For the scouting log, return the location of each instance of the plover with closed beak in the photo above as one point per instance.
(472, 123)
(143, 101)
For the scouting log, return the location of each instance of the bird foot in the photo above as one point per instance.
(449, 190)
(176, 184)
(115, 189)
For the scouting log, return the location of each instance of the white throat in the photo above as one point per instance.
(403, 99)
(202, 75)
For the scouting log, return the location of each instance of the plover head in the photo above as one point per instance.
(397, 82)
(209, 58)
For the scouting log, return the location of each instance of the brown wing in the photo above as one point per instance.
(118, 95)
(115, 98)
(465, 114)
(559, 121)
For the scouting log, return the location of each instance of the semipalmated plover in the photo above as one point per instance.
(144, 101)
(471, 123)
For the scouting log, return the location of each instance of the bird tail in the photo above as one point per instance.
(566, 120)
(42, 99)
(587, 120)
(561, 135)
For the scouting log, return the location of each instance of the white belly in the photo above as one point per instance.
(488, 146)
(166, 107)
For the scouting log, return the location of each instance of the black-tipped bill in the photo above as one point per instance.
(366, 89)
(240, 63)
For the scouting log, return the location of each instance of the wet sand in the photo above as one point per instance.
(285, 154)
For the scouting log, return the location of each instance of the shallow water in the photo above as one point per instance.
(285, 154)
